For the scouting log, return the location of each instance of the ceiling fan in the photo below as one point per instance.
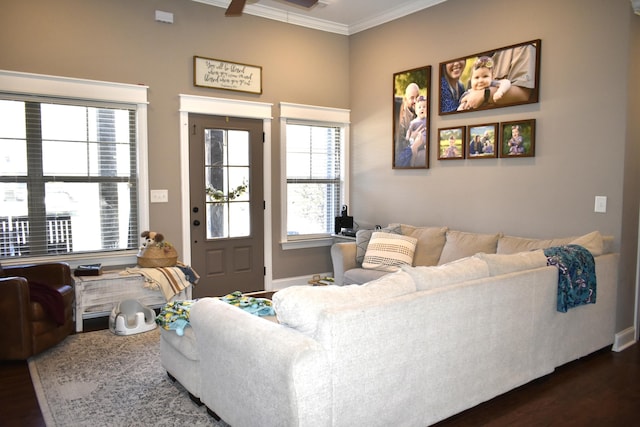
(236, 6)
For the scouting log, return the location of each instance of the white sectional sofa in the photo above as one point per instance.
(410, 348)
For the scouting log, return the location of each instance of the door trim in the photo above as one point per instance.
(232, 108)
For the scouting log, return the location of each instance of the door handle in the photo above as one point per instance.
(196, 222)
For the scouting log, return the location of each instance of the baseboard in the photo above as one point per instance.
(624, 339)
(278, 284)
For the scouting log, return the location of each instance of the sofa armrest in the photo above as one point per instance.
(254, 371)
(343, 257)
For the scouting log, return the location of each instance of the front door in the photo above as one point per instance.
(227, 204)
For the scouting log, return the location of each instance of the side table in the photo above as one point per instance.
(97, 295)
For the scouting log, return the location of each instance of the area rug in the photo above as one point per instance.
(101, 379)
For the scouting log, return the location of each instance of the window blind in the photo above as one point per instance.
(67, 176)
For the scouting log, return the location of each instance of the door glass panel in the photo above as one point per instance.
(227, 183)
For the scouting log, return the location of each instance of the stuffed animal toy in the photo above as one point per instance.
(150, 237)
(155, 251)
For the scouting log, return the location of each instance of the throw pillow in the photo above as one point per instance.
(388, 251)
(593, 242)
(459, 271)
(510, 263)
(431, 240)
(364, 236)
(461, 245)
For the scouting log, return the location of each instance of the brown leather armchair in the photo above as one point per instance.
(36, 302)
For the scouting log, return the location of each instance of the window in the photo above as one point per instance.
(314, 161)
(68, 173)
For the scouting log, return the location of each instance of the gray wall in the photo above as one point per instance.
(582, 136)
(586, 142)
(119, 41)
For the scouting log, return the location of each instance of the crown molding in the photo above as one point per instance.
(293, 18)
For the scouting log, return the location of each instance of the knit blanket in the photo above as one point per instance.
(174, 316)
(169, 280)
(256, 306)
(577, 275)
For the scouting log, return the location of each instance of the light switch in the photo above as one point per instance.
(159, 196)
(601, 204)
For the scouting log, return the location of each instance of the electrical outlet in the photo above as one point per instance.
(601, 204)
(159, 196)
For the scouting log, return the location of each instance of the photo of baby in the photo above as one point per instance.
(451, 143)
(518, 138)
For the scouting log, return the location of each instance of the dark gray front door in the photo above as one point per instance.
(227, 204)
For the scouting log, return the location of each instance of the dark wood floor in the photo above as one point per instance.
(602, 389)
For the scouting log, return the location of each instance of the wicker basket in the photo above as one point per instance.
(154, 256)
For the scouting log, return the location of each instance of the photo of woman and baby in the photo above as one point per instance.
(495, 79)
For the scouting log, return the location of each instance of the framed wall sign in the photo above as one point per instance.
(518, 138)
(501, 77)
(217, 74)
(411, 118)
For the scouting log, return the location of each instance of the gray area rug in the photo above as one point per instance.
(101, 379)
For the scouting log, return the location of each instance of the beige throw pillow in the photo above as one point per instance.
(461, 244)
(430, 243)
(593, 242)
(388, 251)
(364, 236)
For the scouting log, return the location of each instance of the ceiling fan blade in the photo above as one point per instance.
(235, 8)
(305, 3)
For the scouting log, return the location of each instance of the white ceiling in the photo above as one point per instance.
(336, 16)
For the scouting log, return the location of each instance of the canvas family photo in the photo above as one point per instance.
(493, 79)
(411, 118)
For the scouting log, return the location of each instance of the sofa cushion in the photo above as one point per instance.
(593, 242)
(431, 240)
(461, 244)
(510, 263)
(458, 271)
(388, 251)
(359, 276)
(364, 236)
(299, 307)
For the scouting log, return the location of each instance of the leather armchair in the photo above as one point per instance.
(29, 328)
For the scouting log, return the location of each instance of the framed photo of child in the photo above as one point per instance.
(451, 143)
(411, 118)
(498, 78)
(482, 141)
(518, 138)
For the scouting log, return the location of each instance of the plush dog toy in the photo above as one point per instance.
(155, 251)
(151, 237)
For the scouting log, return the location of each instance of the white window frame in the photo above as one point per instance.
(93, 90)
(312, 115)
